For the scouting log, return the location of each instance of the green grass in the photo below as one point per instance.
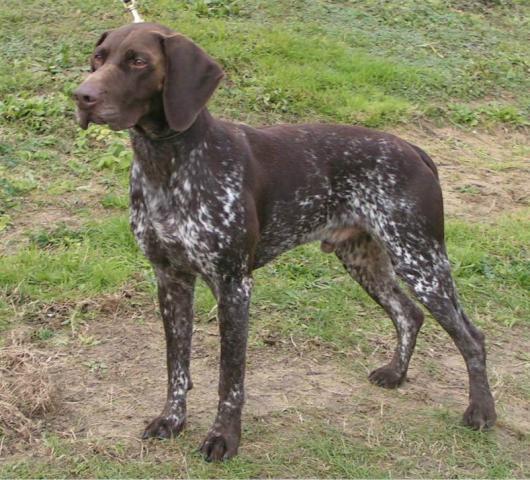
(492, 266)
(70, 265)
(374, 62)
(306, 293)
(65, 264)
(371, 62)
(315, 449)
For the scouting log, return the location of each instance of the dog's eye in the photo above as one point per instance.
(138, 62)
(97, 61)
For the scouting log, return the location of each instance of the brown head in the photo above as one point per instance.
(146, 74)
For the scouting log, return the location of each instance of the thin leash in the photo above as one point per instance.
(131, 6)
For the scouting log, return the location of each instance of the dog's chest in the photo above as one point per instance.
(189, 218)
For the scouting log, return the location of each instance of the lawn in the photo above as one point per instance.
(81, 345)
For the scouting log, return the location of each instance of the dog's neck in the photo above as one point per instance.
(159, 150)
(155, 128)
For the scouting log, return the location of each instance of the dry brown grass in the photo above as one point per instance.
(27, 393)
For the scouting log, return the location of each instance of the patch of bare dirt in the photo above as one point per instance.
(32, 218)
(120, 383)
(438, 374)
(27, 393)
(112, 379)
(483, 174)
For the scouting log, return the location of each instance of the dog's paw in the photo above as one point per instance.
(164, 427)
(480, 415)
(219, 446)
(386, 377)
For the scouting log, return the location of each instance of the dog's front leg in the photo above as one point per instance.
(222, 441)
(175, 295)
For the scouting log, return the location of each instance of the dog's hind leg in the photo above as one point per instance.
(421, 262)
(370, 265)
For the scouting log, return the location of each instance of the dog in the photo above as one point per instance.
(216, 200)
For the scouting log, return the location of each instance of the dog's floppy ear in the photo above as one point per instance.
(191, 78)
(102, 38)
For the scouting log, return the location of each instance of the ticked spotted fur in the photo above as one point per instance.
(217, 200)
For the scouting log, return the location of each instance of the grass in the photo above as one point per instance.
(372, 62)
(316, 449)
(65, 264)
(305, 294)
(493, 265)
(380, 63)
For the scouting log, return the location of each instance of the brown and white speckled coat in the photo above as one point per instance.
(217, 200)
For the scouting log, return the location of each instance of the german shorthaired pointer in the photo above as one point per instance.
(215, 199)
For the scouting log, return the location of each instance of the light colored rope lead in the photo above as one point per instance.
(131, 6)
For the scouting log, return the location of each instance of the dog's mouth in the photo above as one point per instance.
(86, 117)
(83, 118)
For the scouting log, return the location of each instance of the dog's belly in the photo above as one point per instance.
(327, 231)
(290, 224)
(337, 211)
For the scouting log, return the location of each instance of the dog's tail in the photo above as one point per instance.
(426, 159)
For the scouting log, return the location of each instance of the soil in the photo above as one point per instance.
(112, 379)
(112, 375)
(479, 176)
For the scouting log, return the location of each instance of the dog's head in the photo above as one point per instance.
(144, 70)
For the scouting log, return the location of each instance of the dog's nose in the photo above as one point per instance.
(87, 95)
